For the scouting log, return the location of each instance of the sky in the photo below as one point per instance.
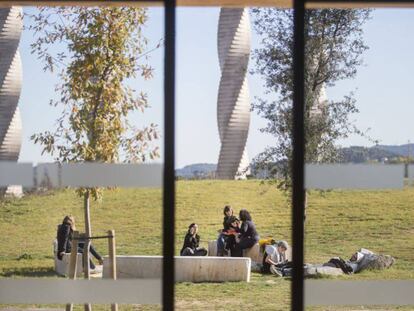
(383, 86)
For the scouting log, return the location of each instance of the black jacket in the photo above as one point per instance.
(64, 238)
(226, 223)
(248, 230)
(191, 241)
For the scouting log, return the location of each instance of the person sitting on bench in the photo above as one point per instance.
(221, 240)
(232, 234)
(274, 258)
(191, 243)
(64, 238)
(248, 235)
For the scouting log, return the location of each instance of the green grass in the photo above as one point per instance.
(337, 224)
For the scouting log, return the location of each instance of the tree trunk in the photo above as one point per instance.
(88, 233)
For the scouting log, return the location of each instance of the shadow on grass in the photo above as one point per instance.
(29, 272)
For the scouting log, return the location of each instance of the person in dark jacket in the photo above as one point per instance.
(248, 234)
(191, 243)
(221, 240)
(232, 234)
(64, 238)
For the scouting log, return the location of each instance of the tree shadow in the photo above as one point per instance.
(29, 272)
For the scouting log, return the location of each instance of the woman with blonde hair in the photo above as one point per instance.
(64, 238)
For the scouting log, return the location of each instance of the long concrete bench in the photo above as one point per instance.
(187, 268)
(253, 253)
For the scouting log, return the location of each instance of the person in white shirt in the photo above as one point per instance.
(275, 257)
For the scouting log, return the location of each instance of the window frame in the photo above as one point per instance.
(169, 188)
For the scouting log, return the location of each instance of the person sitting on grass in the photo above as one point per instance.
(221, 240)
(274, 258)
(248, 235)
(191, 243)
(64, 238)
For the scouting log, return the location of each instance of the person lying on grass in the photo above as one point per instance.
(274, 258)
(221, 240)
(64, 238)
(361, 260)
(191, 243)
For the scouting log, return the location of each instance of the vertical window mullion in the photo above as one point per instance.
(169, 157)
(298, 190)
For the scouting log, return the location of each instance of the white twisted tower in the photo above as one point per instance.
(11, 26)
(320, 103)
(233, 103)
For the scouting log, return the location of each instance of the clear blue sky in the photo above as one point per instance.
(383, 86)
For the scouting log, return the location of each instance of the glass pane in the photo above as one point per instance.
(360, 225)
(218, 141)
(102, 70)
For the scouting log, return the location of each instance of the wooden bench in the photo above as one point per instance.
(187, 268)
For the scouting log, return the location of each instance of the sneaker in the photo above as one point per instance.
(276, 271)
(96, 270)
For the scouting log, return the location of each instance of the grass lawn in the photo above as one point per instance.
(338, 223)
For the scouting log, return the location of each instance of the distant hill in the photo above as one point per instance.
(380, 153)
(401, 150)
(197, 171)
(353, 154)
(359, 154)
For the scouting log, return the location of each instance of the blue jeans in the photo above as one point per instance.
(93, 251)
(220, 244)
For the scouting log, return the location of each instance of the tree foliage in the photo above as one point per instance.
(333, 49)
(96, 51)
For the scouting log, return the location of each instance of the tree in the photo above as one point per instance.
(333, 48)
(97, 52)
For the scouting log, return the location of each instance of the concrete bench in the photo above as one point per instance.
(62, 266)
(253, 253)
(187, 268)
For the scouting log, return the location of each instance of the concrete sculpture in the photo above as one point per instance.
(11, 26)
(233, 103)
(320, 103)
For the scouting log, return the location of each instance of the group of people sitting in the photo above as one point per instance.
(237, 235)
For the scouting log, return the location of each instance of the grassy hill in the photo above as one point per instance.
(337, 224)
